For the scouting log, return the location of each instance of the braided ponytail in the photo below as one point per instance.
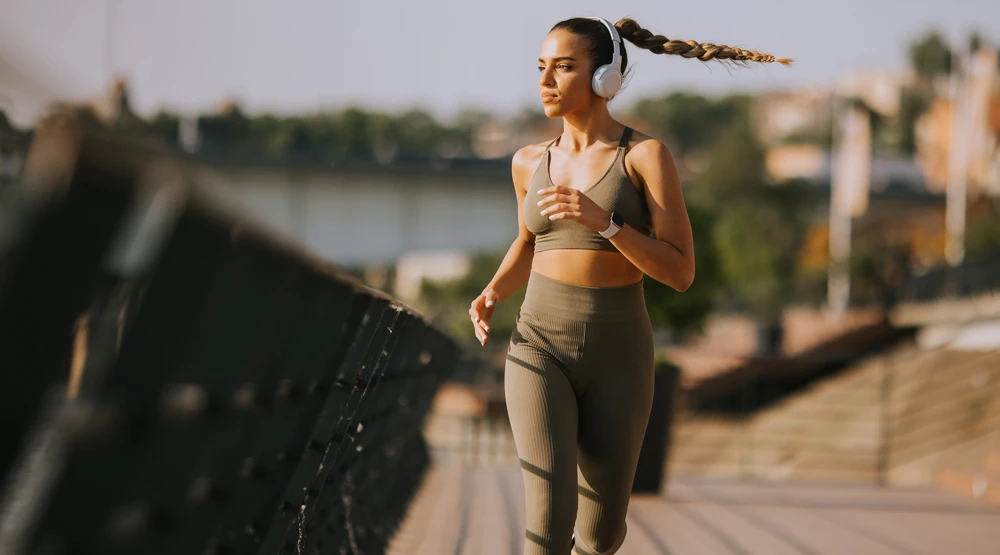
(659, 44)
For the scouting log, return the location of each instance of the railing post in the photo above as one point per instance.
(885, 420)
(747, 400)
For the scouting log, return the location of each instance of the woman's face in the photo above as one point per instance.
(564, 74)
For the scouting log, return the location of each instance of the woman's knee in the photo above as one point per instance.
(601, 542)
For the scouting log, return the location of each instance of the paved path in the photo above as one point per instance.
(479, 511)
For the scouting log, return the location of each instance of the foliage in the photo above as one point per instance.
(662, 364)
(165, 126)
(737, 166)
(757, 249)
(350, 134)
(449, 301)
(930, 55)
(690, 122)
(913, 103)
(982, 235)
(760, 226)
(686, 312)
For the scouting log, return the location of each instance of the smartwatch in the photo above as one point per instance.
(617, 222)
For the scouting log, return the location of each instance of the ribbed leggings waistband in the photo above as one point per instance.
(582, 302)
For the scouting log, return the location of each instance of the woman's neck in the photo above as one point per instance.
(581, 131)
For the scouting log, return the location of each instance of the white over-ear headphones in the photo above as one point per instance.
(607, 79)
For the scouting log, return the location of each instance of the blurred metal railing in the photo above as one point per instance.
(970, 278)
(471, 440)
(177, 380)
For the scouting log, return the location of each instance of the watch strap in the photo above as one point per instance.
(613, 226)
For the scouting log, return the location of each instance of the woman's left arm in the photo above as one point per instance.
(669, 258)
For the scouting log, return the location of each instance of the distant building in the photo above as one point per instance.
(493, 139)
(412, 268)
(115, 104)
(798, 116)
(501, 139)
(796, 161)
(813, 164)
(879, 89)
(980, 132)
(801, 115)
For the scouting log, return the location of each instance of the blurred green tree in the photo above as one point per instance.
(982, 235)
(930, 55)
(688, 122)
(760, 226)
(913, 102)
(736, 166)
(418, 133)
(355, 135)
(165, 125)
(448, 302)
(686, 312)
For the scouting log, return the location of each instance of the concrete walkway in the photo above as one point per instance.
(479, 511)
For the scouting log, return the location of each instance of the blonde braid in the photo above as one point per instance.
(659, 44)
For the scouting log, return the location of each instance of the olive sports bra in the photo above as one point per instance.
(613, 192)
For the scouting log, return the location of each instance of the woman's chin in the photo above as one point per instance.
(551, 110)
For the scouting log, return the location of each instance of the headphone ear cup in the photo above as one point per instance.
(607, 81)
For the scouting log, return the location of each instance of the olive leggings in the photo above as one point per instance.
(579, 386)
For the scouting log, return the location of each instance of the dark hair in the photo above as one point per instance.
(600, 50)
(704, 51)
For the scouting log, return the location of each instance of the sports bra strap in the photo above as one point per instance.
(626, 135)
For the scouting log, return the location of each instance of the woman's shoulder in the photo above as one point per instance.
(647, 142)
(645, 149)
(529, 156)
(647, 158)
(525, 162)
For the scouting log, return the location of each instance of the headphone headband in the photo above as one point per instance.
(616, 58)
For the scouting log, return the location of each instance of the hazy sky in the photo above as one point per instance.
(296, 55)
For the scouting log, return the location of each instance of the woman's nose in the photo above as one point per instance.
(545, 78)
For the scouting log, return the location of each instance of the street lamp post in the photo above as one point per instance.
(957, 188)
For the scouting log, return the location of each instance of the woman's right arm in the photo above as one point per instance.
(515, 268)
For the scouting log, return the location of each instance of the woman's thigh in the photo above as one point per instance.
(613, 414)
(542, 408)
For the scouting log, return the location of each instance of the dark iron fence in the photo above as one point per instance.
(177, 380)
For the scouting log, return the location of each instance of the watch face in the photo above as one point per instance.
(617, 219)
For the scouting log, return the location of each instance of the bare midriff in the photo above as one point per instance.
(589, 268)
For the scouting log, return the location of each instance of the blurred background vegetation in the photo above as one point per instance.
(759, 244)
